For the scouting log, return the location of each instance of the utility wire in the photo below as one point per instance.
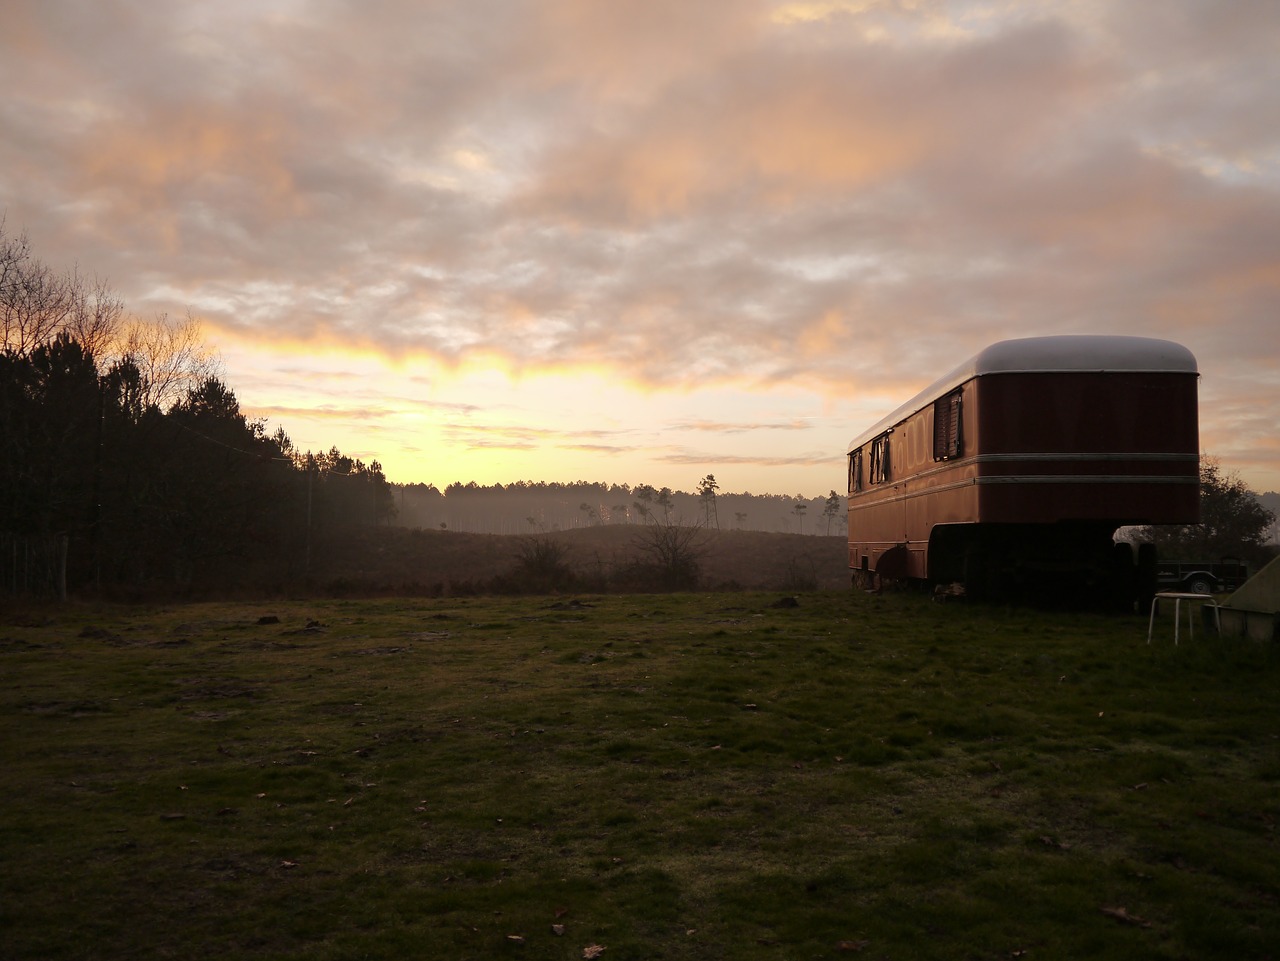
(277, 459)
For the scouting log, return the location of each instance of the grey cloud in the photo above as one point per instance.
(737, 428)
(327, 411)
(596, 448)
(824, 459)
(524, 437)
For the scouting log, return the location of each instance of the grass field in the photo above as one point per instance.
(689, 776)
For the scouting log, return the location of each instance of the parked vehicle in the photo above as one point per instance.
(1012, 472)
(1201, 577)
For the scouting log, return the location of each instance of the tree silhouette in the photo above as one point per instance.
(664, 499)
(799, 510)
(645, 496)
(707, 488)
(831, 510)
(1233, 523)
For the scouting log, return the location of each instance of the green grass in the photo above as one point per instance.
(702, 776)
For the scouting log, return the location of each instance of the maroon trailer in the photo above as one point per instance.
(1014, 471)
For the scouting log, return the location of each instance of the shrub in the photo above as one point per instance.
(671, 555)
(541, 566)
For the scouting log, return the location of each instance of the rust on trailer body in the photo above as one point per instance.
(1028, 455)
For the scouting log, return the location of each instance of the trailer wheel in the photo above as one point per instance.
(1122, 580)
(1199, 585)
(975, 575)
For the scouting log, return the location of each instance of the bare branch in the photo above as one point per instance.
(96, 316)
(170, 357)
(35, 302)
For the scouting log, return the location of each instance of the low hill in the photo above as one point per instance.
(447, 562)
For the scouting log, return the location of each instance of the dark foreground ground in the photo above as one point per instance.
(702, 776)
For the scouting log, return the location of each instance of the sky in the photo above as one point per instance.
(640, 241)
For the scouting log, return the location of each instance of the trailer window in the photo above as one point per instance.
(855, 471)
(879, 460)
(947, 439)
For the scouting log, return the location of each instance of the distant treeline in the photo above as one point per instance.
(111, 481)
(128, 467)
(529, 507)
(126, 463)
(138, 497)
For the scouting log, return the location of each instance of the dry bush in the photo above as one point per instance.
(670, 555)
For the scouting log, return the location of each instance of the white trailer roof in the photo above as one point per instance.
(1096, 353)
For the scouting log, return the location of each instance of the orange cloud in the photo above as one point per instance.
(203, 148)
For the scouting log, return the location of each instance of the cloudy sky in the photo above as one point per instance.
(639, 241)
